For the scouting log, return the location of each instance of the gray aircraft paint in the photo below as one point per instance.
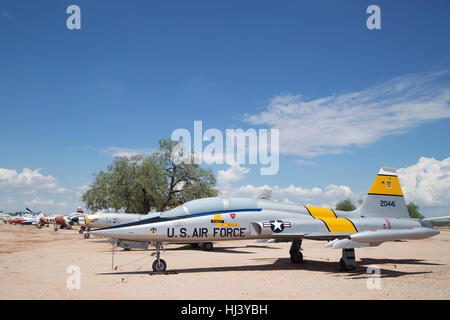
(217, 219)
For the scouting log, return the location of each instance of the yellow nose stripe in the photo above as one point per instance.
(332, 223)
(319, 213)
(339, 225)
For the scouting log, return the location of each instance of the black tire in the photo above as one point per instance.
(159, 265)
(297, 257)
(80, 231)
(207, 246)
(87, 235)
(345, 267)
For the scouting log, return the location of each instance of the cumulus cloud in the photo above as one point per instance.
(234, 173)
(31, 179)
(44, 203)
(332, 124)
(427, 182)
(82, 189)
(325, 197)
(126, 152)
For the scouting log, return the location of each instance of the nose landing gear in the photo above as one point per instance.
(159, 265)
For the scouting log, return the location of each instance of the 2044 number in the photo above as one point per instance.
(384, 203)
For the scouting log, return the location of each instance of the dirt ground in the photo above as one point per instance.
(35, 264)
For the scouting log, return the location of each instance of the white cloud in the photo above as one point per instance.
(325, 197)
(8, 201)
(31, 179)
(330, 125)
(82, 189)
(126, 152)
(45, 203)
(427, 183)
(234, 173)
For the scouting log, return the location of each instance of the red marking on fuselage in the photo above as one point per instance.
(388, 223)
(60, 220)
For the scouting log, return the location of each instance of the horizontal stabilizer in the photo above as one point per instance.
(437, 218)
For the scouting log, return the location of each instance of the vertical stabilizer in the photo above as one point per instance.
(385, 197)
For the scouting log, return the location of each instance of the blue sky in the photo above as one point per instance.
(137, 70)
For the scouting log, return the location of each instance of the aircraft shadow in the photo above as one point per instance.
(366, 261)
(98, 241)
(220, 249)
(282, 264)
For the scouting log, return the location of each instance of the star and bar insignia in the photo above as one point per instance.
(276, 225)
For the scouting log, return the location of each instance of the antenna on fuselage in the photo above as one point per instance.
(265, 195)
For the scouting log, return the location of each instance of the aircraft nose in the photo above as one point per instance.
(82, 221)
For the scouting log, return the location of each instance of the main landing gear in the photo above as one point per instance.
(347, 262)
(294, 251)
(159, 265)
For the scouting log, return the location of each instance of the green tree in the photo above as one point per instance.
(140, 184)
(413, 210)
(345, 205)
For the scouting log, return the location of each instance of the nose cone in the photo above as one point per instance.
(82, 221)
(113, 232)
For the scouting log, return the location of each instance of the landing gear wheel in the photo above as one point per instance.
(55, 229)
(347, 262)
(80, 231)
(345, 267)
(159, 265)
(207, 246)
(296, 257)
(87, 235)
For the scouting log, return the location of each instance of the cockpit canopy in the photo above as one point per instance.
(210, 205)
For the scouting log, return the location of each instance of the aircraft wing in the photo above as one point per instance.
(437, 218)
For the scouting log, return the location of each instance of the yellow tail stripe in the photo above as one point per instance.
(320, 213)
(339, 225)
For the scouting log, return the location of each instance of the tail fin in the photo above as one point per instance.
(385, 197)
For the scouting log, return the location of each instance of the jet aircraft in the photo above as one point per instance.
(383, 216)
(65, 221)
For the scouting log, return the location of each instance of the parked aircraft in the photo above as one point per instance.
(5, 218)
(383, 216)
(64, 221)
